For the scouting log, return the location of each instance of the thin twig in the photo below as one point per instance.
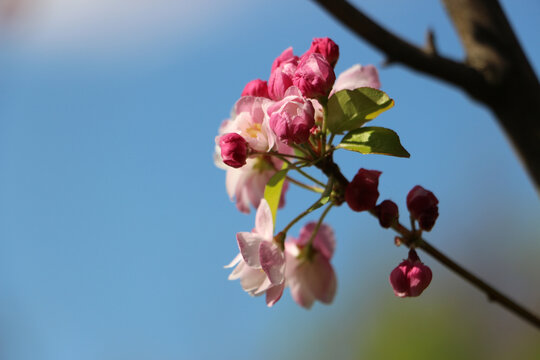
(330, 168)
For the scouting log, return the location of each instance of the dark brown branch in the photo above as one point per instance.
(496, 71)
(513, 93)
(398, 50)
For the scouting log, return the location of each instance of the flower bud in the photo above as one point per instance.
(387, 212)
(314, 76)
(411, 277)
(327, 48)
(361, 193)
(292, 118)
(281, 76)
(423, 207)
(257, 88)
(233, 150)
(286, 57)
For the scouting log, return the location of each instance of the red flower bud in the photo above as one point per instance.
(387, 212)
(327, 48)
(423, 207)
(314, 76)
(233, 150)
(361, 193)
(256, 87)
(411, 277)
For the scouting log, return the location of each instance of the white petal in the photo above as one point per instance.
(236, 259)
(251, 279)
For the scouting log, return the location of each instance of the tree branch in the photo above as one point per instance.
(496, 72)
(331, 169)
(399, 50)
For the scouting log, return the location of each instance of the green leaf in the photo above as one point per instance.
(350, 109)
(325, 196)
(373, 140)
(272, 191)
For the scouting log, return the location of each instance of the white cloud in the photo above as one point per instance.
(114, 24)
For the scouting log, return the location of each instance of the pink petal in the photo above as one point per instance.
(321, 279)
(264, 224)
(274, 294)
(272, 260)
(356, 77)
(300, 293)
(324, 242)
(249, 243)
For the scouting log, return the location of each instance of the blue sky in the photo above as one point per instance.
(115, 224)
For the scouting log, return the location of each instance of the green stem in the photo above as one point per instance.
(309, 246)
(294, 167)
(305, 186)
(317, 204)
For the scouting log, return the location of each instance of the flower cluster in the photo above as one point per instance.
(263, 267)
(280, 126)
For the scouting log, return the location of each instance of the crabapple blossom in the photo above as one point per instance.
(249, 119)
(257, 88)
(423, 206)
(292, 118)
(356, 77)
(314, 76)
(233, 150)
(362, 193)
(324, 241)
(261, 264)
(327, 48)
(311, 276)
(411, 277)
(277, 131)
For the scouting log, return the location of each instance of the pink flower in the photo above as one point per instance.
(311, 277)
(314, 76)
(257, 88)
(387, 212)
(246, 184)
(283, 69)
(423, 206)
(292, 118)
(362, 193)
(411, 277)
(327, 48)
(233, 150)
(250, 120)
(324, 241)
(260, 254)
(254, 281)
(356, 77)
